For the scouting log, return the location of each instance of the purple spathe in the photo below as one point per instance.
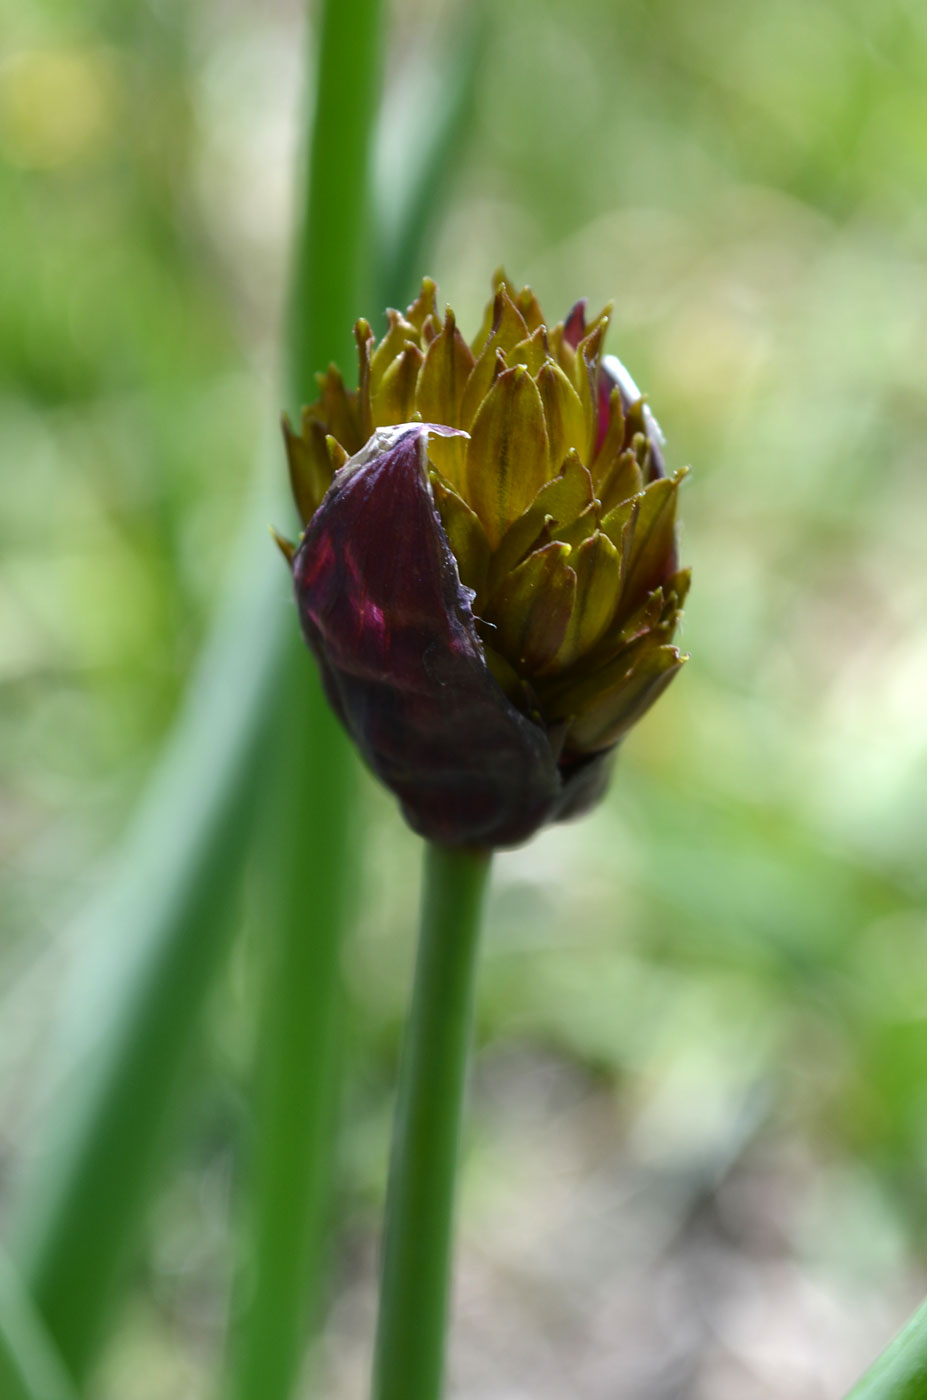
(384, 612)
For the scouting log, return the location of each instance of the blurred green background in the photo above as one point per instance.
(697, 1152)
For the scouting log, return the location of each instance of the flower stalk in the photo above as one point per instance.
(409, 1357)
(489, 581)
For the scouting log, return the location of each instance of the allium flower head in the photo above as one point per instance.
(488, 575)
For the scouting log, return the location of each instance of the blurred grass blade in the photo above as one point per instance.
(331, 269)
(160, 929)
(151, 947)
(900, 1373)
(304, 902)
(308, 865)
(30, 1368)
(426, 124)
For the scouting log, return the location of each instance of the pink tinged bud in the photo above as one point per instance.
(384, 611)
(574, 327)
(615, 375)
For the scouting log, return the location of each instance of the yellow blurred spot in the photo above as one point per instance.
(57, 106)
(711, 351)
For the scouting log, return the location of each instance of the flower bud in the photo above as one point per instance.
(488, 574)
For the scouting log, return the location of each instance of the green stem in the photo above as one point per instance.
(414, 1288)
(900, 1373)
(308, 867)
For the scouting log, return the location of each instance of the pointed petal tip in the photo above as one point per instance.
(286, 547)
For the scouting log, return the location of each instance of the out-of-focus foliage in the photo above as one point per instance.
(700, 1129)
